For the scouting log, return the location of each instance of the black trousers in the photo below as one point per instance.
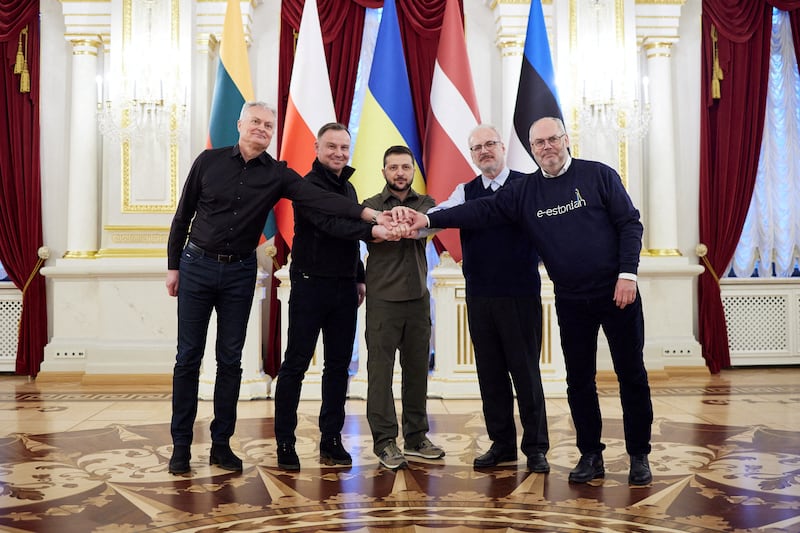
(506, 333)
(580, 321)
(317, 304)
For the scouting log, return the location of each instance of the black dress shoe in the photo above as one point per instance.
(332, 453)
(222, 456)
(287, 457)
(179, 462)
(537, 462)
(589, 467)
(640, 474)
(494, 457)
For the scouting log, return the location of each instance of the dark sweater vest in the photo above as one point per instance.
(498, 260)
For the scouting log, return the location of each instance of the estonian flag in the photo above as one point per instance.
(537, 96)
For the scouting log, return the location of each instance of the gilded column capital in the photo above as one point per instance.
(85, 46)
(206, 43)
(87, 25)
(658, 47)
(210, 18)
(657, 21)
(511, 23)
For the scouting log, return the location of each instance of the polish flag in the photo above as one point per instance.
(453, 114)
(309, 108)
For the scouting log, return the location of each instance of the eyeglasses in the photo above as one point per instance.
(488, 145)
(555, 140)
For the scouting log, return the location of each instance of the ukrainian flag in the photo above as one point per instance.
(387, 115)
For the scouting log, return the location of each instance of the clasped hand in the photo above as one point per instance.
(399, 223)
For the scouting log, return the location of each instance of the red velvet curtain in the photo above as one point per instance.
(342, 24)
(20, 184)
(731, 127)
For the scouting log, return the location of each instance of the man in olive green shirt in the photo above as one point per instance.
(398, 318)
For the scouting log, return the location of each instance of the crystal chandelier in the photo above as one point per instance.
(629, 118)
(613, 97)
(133, 119)
(144, 99)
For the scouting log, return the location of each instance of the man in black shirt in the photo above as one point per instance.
(327, 288)
(212, 265)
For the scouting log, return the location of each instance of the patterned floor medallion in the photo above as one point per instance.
(707, 478)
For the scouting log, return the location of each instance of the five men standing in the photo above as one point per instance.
(212, 266)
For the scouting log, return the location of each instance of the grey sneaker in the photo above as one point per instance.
(391, 457)
(425, 449)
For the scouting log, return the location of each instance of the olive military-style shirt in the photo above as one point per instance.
(397, 270)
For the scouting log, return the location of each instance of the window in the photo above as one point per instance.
(770, 238)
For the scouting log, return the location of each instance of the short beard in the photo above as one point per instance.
(394, 187)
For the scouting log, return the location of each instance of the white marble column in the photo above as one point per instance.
(662, 220)
(83, 190)
(511, 20)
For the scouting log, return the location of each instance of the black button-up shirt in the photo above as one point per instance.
(226, 201)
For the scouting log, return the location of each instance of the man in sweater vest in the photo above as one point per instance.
(504, 308)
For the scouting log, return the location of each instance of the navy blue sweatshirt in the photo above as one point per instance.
(582, 223)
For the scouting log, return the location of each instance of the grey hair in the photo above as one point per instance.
(247, 105)
(558, 121)
(484, 127)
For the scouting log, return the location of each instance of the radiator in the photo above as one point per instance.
(10, 313)
(763, 320)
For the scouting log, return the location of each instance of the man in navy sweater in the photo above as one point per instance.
(504, 312)
(588, 234)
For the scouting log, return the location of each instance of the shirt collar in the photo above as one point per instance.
(236, 152)
(563, 170)
(500, 179)
(386, 193)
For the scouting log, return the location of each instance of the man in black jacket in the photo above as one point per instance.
(327, 278)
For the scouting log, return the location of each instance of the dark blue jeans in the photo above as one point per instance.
(580, 321)
(317, 304)
(205, 285)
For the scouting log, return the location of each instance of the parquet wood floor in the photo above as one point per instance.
(726, 457)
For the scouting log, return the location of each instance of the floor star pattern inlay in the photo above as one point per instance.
(111, 475)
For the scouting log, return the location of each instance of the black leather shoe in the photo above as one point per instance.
(287, 457)
(222, 456)
(179, 462)
(640, 474)
(588, 468)
(494, 457)
(331, 452)
(537, 462)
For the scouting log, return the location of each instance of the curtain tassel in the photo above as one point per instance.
(21, 62)
(717, 75)
(20, 56)
(25, 79)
